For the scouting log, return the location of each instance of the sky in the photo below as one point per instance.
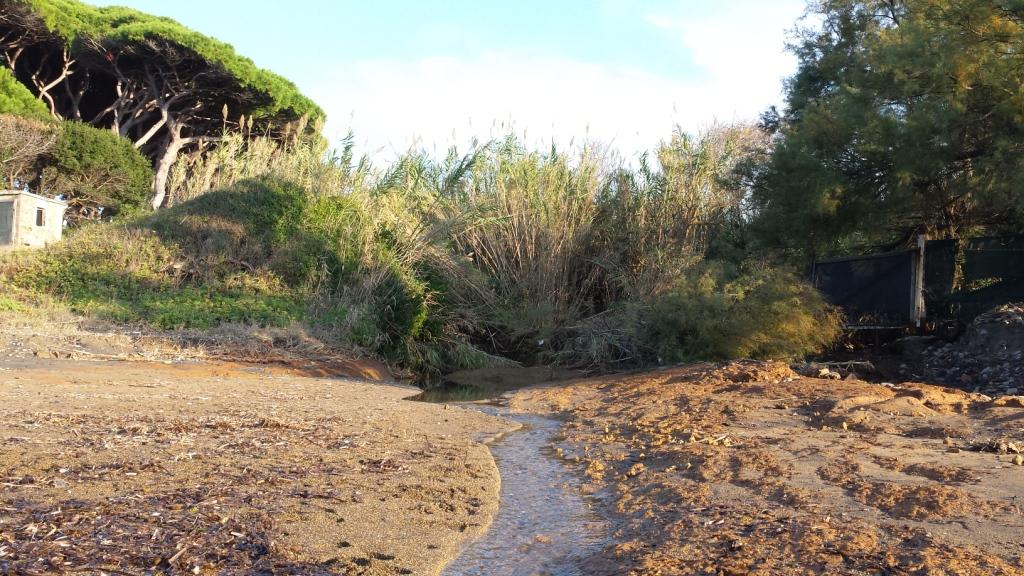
(433, 73)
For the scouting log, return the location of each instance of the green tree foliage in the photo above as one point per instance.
(905, 117)
(98, 172)
(83, 28)
(16, 99)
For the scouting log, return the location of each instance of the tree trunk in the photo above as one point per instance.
(75, 96)
(166, 158)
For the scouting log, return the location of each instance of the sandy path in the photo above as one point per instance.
(218, 468)
(748, 468)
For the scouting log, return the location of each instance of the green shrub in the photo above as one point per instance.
(714, 315)
(99, 173)
(402, 304)
(327, 243)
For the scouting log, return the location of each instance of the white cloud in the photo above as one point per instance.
(740, 45)
(435, 102)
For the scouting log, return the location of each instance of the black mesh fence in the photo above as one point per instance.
(960, 279)
(986, 259)
(872, 290)
(940, 266)
(993, 274)
(969, 304)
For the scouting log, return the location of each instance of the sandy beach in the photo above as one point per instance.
(212, 468)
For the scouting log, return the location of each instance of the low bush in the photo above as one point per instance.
(713, 314)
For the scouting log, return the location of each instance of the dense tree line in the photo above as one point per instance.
(147, 79)
(904, 117)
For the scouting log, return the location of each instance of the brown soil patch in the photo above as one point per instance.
(747, 468)
(914, 501)
(152, 468)
(937, 472)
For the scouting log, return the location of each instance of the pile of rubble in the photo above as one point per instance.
(988, 358)
(851, 370)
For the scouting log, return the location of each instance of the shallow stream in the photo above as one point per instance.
(544, 527)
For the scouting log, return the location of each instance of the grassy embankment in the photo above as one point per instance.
(504, 254)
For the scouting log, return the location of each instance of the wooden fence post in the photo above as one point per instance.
(917, 311)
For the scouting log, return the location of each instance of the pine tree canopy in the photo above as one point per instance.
(904, 117)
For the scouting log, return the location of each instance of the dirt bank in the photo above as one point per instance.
(146, 468)
(748, 468)
(53, 333)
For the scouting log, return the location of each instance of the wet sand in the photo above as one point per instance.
(212, 468)
(544, 525)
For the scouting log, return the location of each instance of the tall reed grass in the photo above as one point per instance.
(499, 254)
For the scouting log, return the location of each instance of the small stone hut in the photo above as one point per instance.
(29, 220)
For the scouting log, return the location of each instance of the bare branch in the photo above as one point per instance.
(22, 142)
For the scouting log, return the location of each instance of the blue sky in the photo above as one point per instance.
(434, 73)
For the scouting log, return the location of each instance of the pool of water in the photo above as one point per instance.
(456, 394)
(544, 527)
